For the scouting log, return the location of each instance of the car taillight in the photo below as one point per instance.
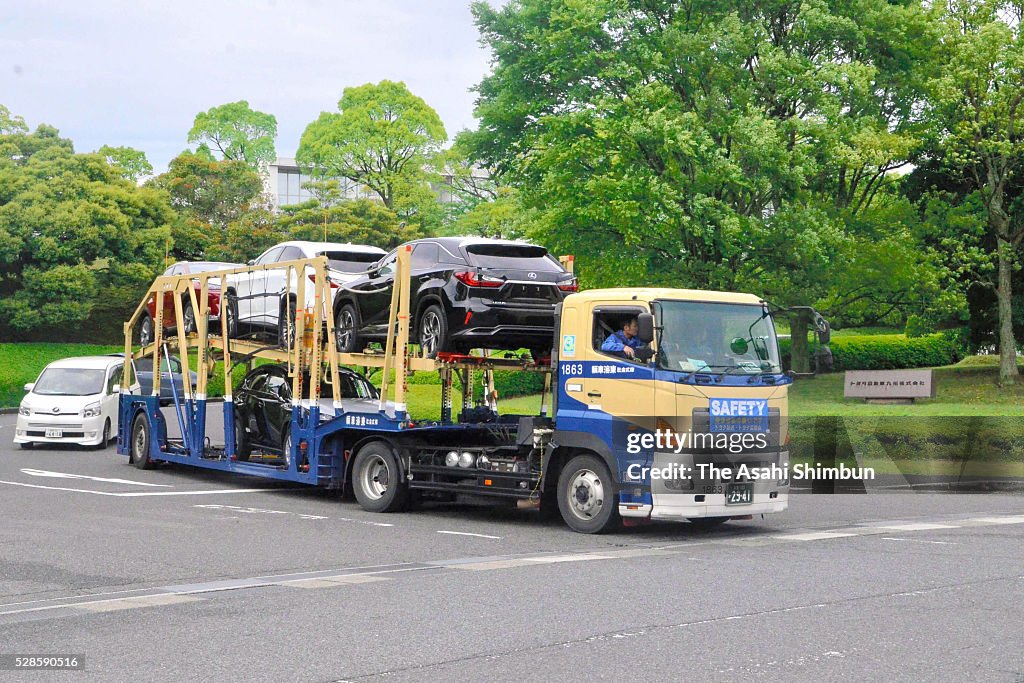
(570, 286)
(471, 279)
(334, 285)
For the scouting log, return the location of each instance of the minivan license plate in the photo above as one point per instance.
(54, 433)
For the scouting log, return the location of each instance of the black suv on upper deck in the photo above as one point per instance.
(466, 292)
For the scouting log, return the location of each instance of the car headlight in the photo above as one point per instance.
(91, 410)
(24, 410)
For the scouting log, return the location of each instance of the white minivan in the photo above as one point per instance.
(75, 400)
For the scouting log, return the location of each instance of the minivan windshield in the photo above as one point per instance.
(703, 336)
(69, 382)
(513, 257)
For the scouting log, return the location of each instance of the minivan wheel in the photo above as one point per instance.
(346, 330)
(433, 332)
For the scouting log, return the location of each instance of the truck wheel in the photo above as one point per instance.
(140, 442)
(586, 496)
(242, 449)
(346, 330)
(433, 331)
(376, 480)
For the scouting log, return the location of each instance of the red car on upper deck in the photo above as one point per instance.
(146, 324)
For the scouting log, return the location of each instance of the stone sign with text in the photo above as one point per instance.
(888, 384)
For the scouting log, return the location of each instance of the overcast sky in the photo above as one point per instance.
(136, 72)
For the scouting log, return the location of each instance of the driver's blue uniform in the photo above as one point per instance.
(617, 341)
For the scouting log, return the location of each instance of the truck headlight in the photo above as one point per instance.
(451, 459)
(466, 459)
(91, 410)
(24, 410)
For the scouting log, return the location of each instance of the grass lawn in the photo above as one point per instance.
(22, 363)
(967, 388)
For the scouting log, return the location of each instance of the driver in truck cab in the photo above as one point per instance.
(626, 342)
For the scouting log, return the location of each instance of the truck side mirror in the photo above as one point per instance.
(28, 387)
(645, 323)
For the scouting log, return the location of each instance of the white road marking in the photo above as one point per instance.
(134, 603)
(333, 582)
(136, 494)
(916, 540)
(466, 533)
(1017, 519)
(566, 558)
(259, 511)
(814, 536)
(66, 475)
(914, 527)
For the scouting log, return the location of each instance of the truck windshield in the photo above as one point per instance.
(731, 338)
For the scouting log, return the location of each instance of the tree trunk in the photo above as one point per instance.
(1004, 296)
(799, 351)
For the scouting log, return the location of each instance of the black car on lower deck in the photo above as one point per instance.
(466, 292)
(263, 407)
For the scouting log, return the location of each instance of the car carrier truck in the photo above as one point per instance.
(666, 435)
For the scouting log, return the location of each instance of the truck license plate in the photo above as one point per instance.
(54, 433)
(739, 494)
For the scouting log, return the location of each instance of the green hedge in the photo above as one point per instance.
(886, 351)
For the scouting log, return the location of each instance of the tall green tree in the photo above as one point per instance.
(75, 236)
(208, 195)
(977, 117)
(711, 145)
(133, 164)
(237, 132)
(383, 137)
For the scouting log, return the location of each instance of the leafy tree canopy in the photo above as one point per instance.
(132, 163)
(71, 228)
(237, 132)
(383, 137)
(208, 196)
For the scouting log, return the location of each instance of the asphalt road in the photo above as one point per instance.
(181, 574)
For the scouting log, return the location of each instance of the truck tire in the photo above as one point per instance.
(587, 497)
(376, 479)
(140, 443)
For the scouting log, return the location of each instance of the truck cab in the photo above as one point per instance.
(695, 428)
